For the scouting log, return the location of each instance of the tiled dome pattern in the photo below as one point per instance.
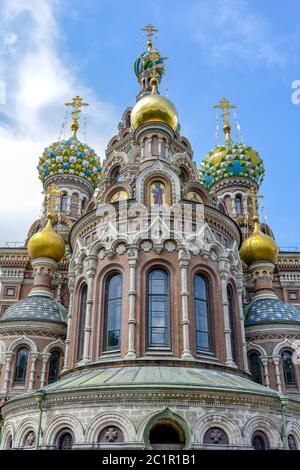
(36, 308)
(231, 159)
(271, 311)
(70, 157)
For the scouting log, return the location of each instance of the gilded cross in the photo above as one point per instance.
(225, 106)
(77, 104)
(53, 196)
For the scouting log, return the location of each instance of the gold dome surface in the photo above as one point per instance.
(46, 243)
(154, 108)
(258, 247)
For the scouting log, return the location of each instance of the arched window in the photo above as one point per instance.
(113, 310)
(238, 204)
(215, 436)
(29, 440)
(292, 442)
(202, 313)
(254, 362)
(158, 308)
(260, 441)
(64, 202)
(83, 203)
(53, 367)
(81, 322)
(64, 440)
(231, 312)
(154, 145)
(21, 365)
(288, 369)
(116, 175)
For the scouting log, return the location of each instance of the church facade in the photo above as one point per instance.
(149, 307)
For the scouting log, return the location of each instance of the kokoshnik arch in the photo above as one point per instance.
(121, 328)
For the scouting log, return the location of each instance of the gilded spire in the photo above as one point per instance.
(76, 103)
(225, 106)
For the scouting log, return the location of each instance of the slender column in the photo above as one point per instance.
(91, 262)
(233, 208)
(71, 285)
(223, 270)
(8, 358)
(34, 357)
(184, 258)
(69, 204)
(276, 361)
(45, 357)
(132, 261)
(265, 362)
(242, 319)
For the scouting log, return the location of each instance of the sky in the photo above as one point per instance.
(245, 50)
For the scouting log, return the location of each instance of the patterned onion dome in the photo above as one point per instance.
(46, 243)
(270, 311)
(36, 307)
(70, 157)
(144, 62)
(229, 160)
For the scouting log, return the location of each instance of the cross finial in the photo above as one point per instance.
(225, 105)
(149, 30)
(53, 196)
(76, 103)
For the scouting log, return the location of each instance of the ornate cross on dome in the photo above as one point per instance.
(225, 105)
(77, 104)
(149, 30)
(52, 200)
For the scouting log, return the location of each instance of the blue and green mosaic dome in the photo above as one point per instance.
(70, 157)
(143, 62)
(37, 308)
(231, 160)
(270, 311)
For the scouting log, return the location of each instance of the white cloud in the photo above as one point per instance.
(38, 84)
(231, 29)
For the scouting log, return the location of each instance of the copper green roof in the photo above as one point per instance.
(156, 377)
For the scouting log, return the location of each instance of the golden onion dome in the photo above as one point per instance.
(46, 243)
(258, 247)
(154, 108)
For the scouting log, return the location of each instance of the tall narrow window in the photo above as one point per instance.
(238, 204)
(113, 309)
(288, 369)
(254, 362)
(158, 308)
(21, 365)
(64, 202)
(202, 313)
(53, 367)
(231, 312)
(81, 322)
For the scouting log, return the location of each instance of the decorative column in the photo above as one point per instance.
(276, 361)
(224, 272)
(265, 362)
(45, 357)
(184, 258)
(8, 358)
(132, 261)
(71, 286)
(239, 277)
(233, 208)
(34, 357)
(91, 262)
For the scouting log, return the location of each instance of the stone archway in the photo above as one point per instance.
(167, 430)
